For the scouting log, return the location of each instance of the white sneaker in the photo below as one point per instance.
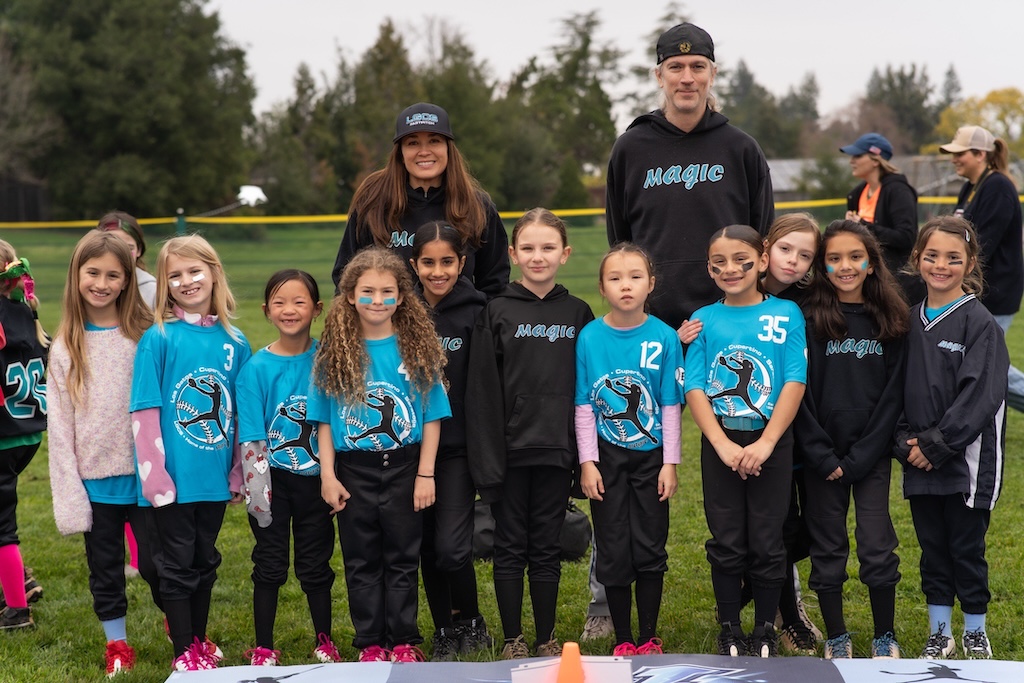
(597, 627)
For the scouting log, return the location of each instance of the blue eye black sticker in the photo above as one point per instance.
(365, 300)
(390, 301)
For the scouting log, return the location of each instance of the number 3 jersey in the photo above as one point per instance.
(745, 354)
(189, 373)
(626, 376)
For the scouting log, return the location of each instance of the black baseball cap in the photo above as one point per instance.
(422, 116)
(685, 39)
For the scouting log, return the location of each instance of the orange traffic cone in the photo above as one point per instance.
(570, 668)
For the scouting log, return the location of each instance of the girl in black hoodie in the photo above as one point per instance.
(446, 554)
(856, 325)
(523, 364)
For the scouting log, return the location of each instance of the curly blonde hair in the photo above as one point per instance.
(341, 361)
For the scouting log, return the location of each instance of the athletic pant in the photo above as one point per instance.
(795, 534)
(380, 537)
(630, 524)
(184, 537)
(952, 539)
(104, 553)
(13, 462)
(827, 505)
(528, 523)
(448, 523)
(745, 518)
(297, 508)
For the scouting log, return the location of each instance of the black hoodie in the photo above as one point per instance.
(669, 191)
(454, 318)
(487, 266)
(895, 226)
(522, 361)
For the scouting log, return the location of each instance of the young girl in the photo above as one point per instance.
(952, 434)
(280, 463)
(745, 376)
(449, 579)
(378, 396)
(523, 359)
(627, 393)
(92, 456)
(856, 324)
(23, 353)
(183, 415)
(127, 229)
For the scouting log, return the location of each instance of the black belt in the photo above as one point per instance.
(381, 459)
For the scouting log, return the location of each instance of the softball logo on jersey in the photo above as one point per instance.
(382, 423)
(203, 409)
(629, 414)
(291, 440)
(740, 383)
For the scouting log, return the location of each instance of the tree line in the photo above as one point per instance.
(145, 105)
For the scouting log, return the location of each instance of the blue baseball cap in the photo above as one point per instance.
(870, 143)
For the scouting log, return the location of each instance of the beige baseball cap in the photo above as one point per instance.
(970, 137)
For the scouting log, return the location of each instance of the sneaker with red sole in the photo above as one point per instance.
(263, 656)
(407, 653)
(326, 651)
(120, 657)
(374, 653)
(624, 649)
(651, 647)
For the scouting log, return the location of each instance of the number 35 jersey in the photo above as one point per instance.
(627, 376)
(745, 354)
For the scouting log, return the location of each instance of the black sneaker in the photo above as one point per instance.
(33, 591)
(445, 645)
(763, 641)
(15, 617)
(473, 635)
(731, 641)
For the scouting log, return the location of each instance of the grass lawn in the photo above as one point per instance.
(68, 642)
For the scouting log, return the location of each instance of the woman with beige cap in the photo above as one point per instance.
(990, 202)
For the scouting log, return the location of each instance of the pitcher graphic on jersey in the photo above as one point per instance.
(203, 409)
(628, 415)
(382, 422)
(291, 440)
(740, 383)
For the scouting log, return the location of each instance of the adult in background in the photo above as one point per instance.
(886, 204)
(676, 176)
(989, 201)
(682, 172)
(426, 179)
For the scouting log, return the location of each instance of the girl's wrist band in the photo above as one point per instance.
(425, 476)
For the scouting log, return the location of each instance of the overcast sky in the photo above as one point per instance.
(780, 41)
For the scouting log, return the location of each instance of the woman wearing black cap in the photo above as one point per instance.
(426, 179)
(887, 204)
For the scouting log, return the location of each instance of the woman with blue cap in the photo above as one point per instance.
(886, 203)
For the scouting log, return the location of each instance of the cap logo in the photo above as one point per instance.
(875, 149)
(684, 48)
(421, 120)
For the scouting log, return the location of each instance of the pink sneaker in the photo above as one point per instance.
(326, 652)
(263, 656)
(374, 653)
(407, 653)
(624, 649)
(194, 659)
(211, 650)
(651, 647)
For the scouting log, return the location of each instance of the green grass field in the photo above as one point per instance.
(67, 644)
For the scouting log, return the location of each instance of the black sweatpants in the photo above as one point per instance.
(380, 537)
(746, 517)
(827, 505)
(104, 553)
(448, 523)
(528, 523)
(184, 538)
(298, 510)
(13, 462)
(952, 539)
(630, 524)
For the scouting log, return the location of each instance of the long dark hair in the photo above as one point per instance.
(883, 298)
